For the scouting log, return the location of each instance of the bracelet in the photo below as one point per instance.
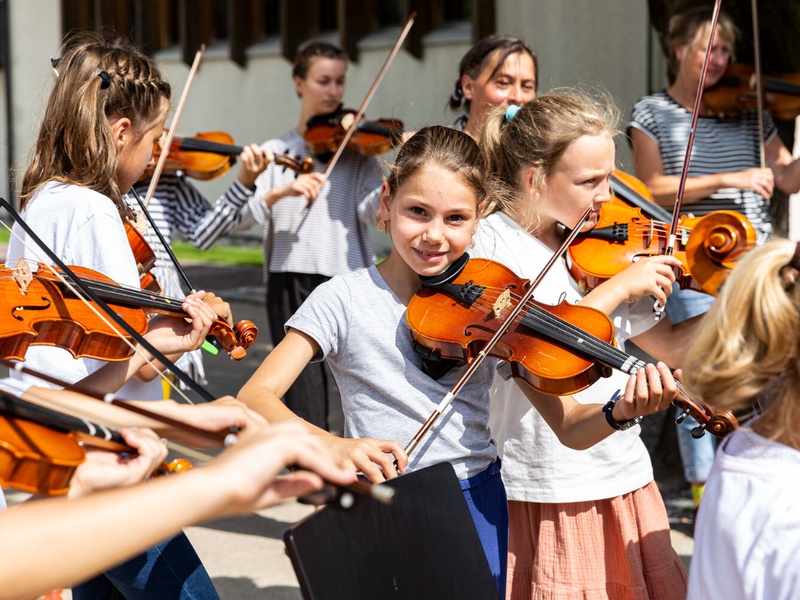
(609, 408)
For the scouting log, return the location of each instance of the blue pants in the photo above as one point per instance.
(486, 498)
(169, 571)
(696, 454)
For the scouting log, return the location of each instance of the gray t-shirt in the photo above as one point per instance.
(360, 325)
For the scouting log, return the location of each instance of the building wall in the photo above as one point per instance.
(578, 41)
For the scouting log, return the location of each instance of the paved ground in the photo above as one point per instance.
(245, 556)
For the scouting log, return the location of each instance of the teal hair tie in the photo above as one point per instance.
(511, 111)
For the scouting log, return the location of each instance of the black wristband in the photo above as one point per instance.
(608, 409)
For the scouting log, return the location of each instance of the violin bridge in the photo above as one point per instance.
(650, 234)
(347, 121)
(503, 302)
(140, 221)
(22, 275)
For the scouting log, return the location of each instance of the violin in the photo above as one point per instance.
(708, 247)
(558, 350)
(209, 155)
(735, 93)
(324, 133)
(144, 256)
(44, 311)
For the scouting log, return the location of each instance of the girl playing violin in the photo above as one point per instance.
(430, 205)
(588, 522)
(106, 110)
(497, 71)
(313, 229)
(724, 173)
(747, 535)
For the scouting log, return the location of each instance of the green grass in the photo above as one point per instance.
(249, 256)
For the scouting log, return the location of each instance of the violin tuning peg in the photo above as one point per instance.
(699, 432)
(682, 416)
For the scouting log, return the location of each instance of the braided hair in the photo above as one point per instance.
(99, 79)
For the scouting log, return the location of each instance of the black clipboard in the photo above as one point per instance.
(422, 546)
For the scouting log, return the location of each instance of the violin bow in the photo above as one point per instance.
(226, 439)
(501, 331)
(174, 259)
(676, 211)
(162, 159)
(88, 292)
(759, 91)
(370, 93)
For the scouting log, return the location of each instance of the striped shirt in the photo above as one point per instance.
(178, 206)
(721, 145)
(331, 236)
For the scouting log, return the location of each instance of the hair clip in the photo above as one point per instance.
(106, 83)
(54, 62)
(512, 111)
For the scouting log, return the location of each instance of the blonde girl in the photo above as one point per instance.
(747, 536)
(430, 205)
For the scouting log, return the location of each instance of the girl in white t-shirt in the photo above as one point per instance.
(747, 536)
(589, 522)
(107, 108)
(430, 205)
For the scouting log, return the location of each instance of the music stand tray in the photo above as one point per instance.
(422, 546)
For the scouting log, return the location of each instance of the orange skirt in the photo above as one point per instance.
(614, 549)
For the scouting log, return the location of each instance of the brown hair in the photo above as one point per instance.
(451, 149)
(686, 28)
(474, 61)
(100, 78)
(304, 56)
(537, 136)
(748, 346)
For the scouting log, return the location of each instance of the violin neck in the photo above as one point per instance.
(23, 409)
(629, 195)
(134, 297)
(378, 129)
(198, 145)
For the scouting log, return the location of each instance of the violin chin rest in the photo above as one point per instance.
(448, 275)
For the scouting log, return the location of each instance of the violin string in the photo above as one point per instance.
(103, 317)
(597, 348)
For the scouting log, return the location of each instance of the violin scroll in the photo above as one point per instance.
(716, 242)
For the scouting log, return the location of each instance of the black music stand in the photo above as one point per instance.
(422, 546)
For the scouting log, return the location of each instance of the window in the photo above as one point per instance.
(157, 24)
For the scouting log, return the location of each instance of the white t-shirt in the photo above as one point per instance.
(83, 228)
(536, 466)
(747, 537)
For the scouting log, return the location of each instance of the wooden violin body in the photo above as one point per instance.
(735, 93)
(41, 310)
(37, 459)
(209, 155)
(558, 350)
(708, 246)
(325, 133)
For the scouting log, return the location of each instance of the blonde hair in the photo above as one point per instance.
(99, 79)
(537, 136)
(750, 341)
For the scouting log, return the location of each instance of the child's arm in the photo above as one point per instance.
(278, 372)
(580, 426)
(652, 276)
